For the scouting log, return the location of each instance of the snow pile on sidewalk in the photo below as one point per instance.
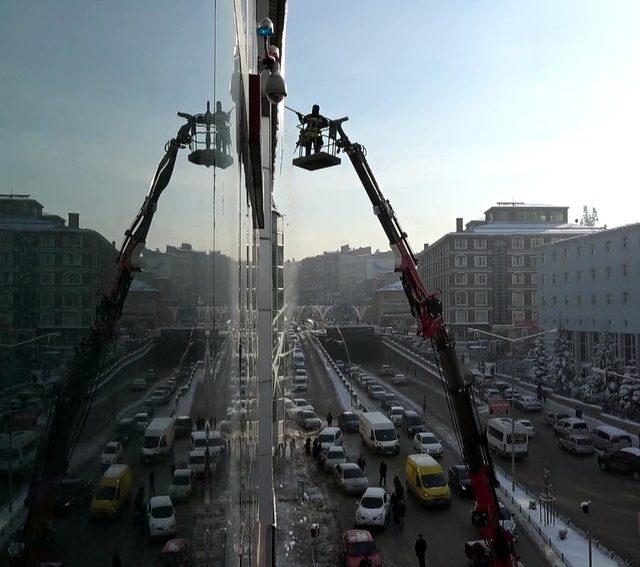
(574, 549)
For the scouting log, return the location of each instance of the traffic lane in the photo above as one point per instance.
(397, 544)
(437, 410)
(88, 542)
(615, 499)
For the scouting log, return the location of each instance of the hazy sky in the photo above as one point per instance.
(460, 105)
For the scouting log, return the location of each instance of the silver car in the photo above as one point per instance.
(577, 444)
(350, 478)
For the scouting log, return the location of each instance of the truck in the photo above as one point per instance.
(378, 433)
(158, 439)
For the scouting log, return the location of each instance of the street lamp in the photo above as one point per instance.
(513, 387)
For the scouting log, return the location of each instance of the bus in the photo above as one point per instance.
(499, 437)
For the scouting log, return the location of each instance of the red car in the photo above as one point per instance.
(176, 553)
(358, 545)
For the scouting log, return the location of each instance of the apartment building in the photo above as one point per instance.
(51, 271)
(487, 270)
(591, 284)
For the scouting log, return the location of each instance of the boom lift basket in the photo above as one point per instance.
(211, 139)
(316, 151)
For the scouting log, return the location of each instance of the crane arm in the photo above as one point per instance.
(75, 393)
(427, 309)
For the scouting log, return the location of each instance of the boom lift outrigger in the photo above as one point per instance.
(426, 307)
(75, 393)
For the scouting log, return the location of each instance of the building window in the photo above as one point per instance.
(625, 269)
(71, 319)
(71, 278)
(593, 299)
(534, 297)
(47, 240)
(517, 315)
(544, 279)
(625, 297)
(460, 278)
(608, 297)
(480, 243)
(554, 279)
(555, 300)
(6, 239)
(480, 279)
(517, 298)
(47, 278)
(517, 242)
(46, 319)
(578, 275)
(624, 241)
(544, 301)
(593, 249)
(461, 316)
(72, 240)
(517, 278)
(46, 300)
(460, 261)
(534, 260)
(480, 261)
(607, 246)
(71, 300)
(566, 300)
(579, 251)
(6, 259)
(579, 300)
(542, 257)
(517, 261)
(72, 260)
(593, 273)
(47, 259)
(536, 242)
(566, 276)
(534, 279)
(481, 298)
(482, 316)
(555, 255)
(565, 254)
(6, 278)
(461, 298)
(460, 244)
(608, 272)
(6, 300)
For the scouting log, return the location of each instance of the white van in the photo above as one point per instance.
(607, 438)
(378, 433)
(499, 437)
(24, 447)
(158, 439)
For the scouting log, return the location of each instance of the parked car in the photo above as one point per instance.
(552, 416)
(157, 397)
(626, 461)
(528, 425)
(569, 425)
(138, 384)
(142, 421)
(412, 423)
(162, 520)
(348, 422)
(358, 545)
(427, 443)
(608, 439)
(112, 454)
(506, 519)
(181, 484)
(125, 429)
(459, 480)
(176, 553)
(374, 508)
(308, 419)
(396, 413)
(385, 370)
(350, 478)
(389, 400)
(577, 444)
(72, 495)
(197, 459)
(376, 391)
(528, 403)
(399, 379)
(332, 456)
(330, 436)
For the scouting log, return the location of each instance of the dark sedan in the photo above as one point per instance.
(459, 480)
(625, 461)
(348, 422)
(72, 495)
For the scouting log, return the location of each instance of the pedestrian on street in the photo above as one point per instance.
(383, 474)
(544, 397)
(398, 489)
(152, 483)
(361, 463)
(315, 451)
(424, 404)
(421, 551)
(329, 419)
(292, 446)
(307, 446)
(116, 560)
(539, 392)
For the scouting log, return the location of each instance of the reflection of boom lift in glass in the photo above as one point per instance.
(211, 138)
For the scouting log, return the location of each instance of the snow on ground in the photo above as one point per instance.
(574, 549)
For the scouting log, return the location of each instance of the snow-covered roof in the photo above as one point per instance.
(395, 286)
(139, 285)
(530, 228)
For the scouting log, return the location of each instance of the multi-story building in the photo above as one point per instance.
(144, 308)
(390, 308)
(487, 270)
(591, 284)
(347, 276)
(51, 271)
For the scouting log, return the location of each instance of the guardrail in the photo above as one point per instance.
(117, 366)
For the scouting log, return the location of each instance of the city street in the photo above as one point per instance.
(615, 499)
(445, 530)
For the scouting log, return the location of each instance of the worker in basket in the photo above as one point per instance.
(311, 133)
